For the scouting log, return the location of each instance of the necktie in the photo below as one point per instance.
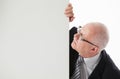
(79, 72)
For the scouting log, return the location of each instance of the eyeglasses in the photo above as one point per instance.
(81, 38)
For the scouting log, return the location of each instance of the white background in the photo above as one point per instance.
(33, 39)
(105, 11)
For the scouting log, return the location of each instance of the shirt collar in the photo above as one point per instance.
(92, 61)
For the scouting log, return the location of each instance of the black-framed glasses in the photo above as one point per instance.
(81, 38)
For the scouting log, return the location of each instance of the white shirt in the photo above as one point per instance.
(91, 63)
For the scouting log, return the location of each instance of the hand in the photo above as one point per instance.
(69, 12)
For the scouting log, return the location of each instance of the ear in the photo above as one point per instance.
(94, 49)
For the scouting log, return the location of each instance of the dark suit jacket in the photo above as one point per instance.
(105, 69)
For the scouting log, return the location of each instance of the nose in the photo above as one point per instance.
(76, 36)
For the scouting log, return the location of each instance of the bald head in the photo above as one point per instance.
(98, 33)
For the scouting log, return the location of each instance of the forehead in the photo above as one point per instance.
(88, 31)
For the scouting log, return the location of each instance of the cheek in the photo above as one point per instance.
(79, 46)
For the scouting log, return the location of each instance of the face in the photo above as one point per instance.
(82, 43)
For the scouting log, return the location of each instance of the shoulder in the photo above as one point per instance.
(110, 69)
(106, 69)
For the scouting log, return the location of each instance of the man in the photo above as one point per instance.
(89, 43)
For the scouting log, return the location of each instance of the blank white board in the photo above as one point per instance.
(33, 39)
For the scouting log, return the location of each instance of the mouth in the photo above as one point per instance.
(73, 44)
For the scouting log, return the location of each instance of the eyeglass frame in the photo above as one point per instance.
(78, 31)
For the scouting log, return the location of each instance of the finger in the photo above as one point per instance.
(71, 19)
(69, 4)
(68, 11)
(69, 7)
(70, 15)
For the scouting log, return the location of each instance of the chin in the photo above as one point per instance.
(82, 55)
